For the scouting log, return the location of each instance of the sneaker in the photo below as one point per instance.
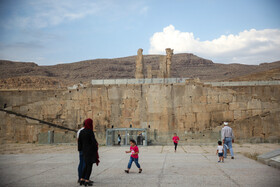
(127, 171)
(232, 157)
(219, 161)
(140, 170)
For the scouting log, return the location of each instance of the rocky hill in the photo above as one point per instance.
(31, 82)
(183, 65)
(269, 75)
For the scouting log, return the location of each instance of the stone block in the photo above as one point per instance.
(237, 114)
(157, 81)
(97, 82)
(233, 106)
(216, 107)
(256, 112)
(109, 81)
(198, 108)
(114, 93)
(148, 81)
(121, 81)
(237, 106)
(189, 90)
(211, 99)
(222, 116)
(140, 81)
(254, 104)
(23, 109)
(246, 113)
(225, 98)
(203, 120)
(132, 81)
(203, 99)
(179, 90)
(170, 80)
(242, 98)
(190, 119)
(228, 115)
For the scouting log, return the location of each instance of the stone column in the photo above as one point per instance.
(169, 54)
(165, 64)
(162, 67)
(149, 71)
(139, 72)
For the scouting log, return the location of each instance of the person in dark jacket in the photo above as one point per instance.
(89, 146)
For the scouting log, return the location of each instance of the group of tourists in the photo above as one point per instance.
(227, 138)
(140, 139)
(88, 150)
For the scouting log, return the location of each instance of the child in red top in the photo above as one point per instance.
(175, 139)
(134, 156)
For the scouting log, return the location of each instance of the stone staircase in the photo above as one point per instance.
(38, 120)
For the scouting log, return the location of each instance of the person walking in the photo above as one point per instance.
(134, 150)
(228, 139)
(119, 139)
(175, 140)
(89, 146)
(220, 151)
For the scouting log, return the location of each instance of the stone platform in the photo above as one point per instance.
(190, 166)
(271, 158)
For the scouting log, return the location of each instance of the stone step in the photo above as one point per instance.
(271, 158)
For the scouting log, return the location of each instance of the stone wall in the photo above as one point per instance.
(14, 129)
(261, 128)
(193, 110)
(16, 98)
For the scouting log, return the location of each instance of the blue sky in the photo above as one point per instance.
(50, 32)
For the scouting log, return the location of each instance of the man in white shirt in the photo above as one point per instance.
(228, 139)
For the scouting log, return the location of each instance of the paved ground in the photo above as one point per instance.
(190, 166)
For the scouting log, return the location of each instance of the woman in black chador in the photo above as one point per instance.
(89, 146)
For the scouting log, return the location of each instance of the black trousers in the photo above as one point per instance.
(175, 145)
(87, 171)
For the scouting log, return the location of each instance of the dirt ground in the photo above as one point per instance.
(192, 165)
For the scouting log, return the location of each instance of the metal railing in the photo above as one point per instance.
(139, 81)
(244, 83)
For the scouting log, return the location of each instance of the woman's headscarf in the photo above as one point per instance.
(88, 124)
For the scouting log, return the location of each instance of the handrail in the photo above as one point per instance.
(39, 120)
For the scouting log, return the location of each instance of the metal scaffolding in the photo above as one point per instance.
(138, 134)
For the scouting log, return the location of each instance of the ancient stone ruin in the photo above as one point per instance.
(162, 106)
(164, 66)
(139, 73)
